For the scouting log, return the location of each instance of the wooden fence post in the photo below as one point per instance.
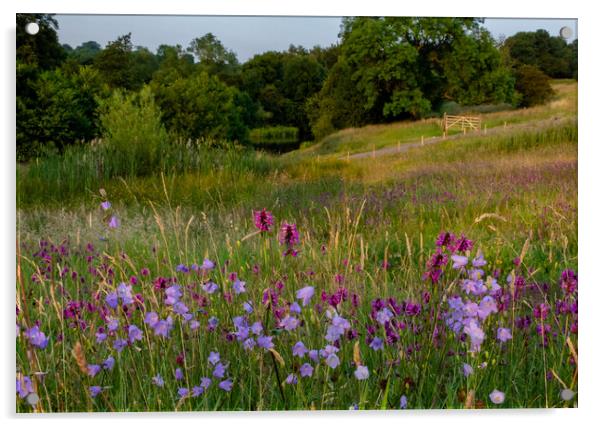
(444, 124)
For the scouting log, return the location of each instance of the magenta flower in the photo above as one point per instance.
(463, 244)
(263, 220)
(289, 235)
(106, 205)
(361, 372)
(497, 397)
(445, 239)
(568, 282)
(305, 294)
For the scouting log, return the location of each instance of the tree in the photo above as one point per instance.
(115, 63)
(214, 58)
(533, 85)
(200, 106)
(551, 55)
(144, 66)
(132, 127)
(406, 67)
(42, 49)
(58, 109)
(86, 52)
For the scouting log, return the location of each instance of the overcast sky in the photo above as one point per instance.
(246, 36)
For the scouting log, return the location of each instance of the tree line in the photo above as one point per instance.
(381, 70)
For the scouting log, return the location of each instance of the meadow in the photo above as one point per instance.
(222, 278)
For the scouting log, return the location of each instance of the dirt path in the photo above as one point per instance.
(530, 125)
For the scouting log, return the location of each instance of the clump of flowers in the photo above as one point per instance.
(289, 237)
(263, 220)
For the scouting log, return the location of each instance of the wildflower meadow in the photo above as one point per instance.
(382, 266)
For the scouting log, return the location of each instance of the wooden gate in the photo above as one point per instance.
(463, 122)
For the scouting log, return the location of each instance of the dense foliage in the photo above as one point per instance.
(552, 55)
(383, 70)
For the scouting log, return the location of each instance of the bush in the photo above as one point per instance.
(132, 128)
(533, 86)
(274, 134)
(55, 109)
(200, 106)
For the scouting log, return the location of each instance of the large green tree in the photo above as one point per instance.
(552, 55)
(42, 49)
(200, 106)
(407, 67)
(115, 63)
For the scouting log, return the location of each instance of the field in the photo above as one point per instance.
(228, 279)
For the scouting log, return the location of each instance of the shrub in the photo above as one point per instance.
(132, 128)
(533, 86)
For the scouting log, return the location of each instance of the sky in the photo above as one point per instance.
(245, 35)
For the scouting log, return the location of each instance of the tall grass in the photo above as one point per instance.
(82, 170)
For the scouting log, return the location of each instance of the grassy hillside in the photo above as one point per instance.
(368, 232)
(354, 140)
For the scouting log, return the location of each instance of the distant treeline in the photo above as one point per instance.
(381, 70)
